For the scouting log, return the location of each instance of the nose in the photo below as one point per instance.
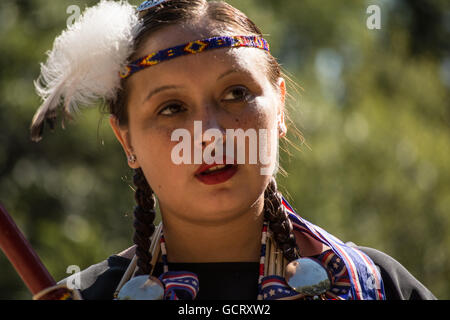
(209, 128)
(210, 134)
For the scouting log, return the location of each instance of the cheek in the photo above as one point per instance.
(153, 148)
(264, 120)
(260, 114)
(151, 143)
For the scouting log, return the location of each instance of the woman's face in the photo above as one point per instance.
(223, 89)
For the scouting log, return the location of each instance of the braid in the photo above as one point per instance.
(279, 222)
(144, 214)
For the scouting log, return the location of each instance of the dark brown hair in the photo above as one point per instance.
(174, 12)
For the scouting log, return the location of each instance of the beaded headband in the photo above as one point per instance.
(86, 59)
(193, 48)
(149, 4)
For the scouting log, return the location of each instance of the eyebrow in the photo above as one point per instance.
(164, 88)
(160, 89)
(227, 73)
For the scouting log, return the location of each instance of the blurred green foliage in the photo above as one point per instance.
(373, 107)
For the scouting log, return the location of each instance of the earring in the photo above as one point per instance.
(282, 129)
(132, 159)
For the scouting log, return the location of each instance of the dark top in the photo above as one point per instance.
(238, 281)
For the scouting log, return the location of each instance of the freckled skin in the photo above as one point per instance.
(183, 199)
(151, 139)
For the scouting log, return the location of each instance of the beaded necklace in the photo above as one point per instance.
(312, 281)
(351, 275)
(271, 259)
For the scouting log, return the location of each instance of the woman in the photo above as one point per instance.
(226, 232)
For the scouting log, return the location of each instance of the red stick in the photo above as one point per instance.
(24, 259)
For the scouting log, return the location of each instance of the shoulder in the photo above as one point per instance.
(399, 283)
(99, 281)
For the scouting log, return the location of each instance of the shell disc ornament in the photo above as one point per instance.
(308, 277)
(142, 288)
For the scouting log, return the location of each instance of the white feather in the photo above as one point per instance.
(84, 64)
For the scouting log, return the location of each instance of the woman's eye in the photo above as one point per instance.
(171, 109)
(236, 94)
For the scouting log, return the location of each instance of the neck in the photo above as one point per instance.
(235, 240)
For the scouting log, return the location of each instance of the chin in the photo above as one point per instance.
(227, 205)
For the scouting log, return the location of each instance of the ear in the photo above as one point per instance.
(281, 107)
(123, 136)
(283, 91)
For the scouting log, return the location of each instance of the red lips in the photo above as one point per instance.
(218, 176)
